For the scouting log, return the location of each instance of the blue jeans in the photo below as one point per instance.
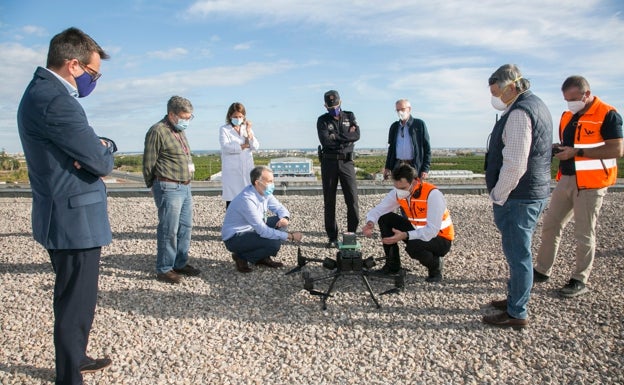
(516, 221)
(253, 248)
(175, 221)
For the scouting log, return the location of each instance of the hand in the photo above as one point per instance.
(398, 236)
(296, 236)
(386, 173)
(77, 165)
(352, 128)
(283, 222)
(249, 132)
(565, 153)
(424, 175)
(368, 228)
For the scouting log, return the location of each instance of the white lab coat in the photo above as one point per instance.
(236, 163)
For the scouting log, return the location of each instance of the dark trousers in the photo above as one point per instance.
(75, 295)
(427, 253)
(253, 248)
(332, 171)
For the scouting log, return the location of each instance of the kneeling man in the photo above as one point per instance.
(248, 231)
(426, 228)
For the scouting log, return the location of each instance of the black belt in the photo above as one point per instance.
(163, 179)
(336, 156)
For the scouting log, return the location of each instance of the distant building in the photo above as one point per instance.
(291, 167)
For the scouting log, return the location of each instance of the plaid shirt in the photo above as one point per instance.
(167, 154)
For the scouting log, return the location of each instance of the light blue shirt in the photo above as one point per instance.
(404, 147)
(248, 211)
(70, 88)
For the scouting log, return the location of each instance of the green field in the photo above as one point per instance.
(206, 165)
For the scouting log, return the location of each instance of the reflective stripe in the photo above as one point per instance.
(588, 145)
(447, 222)
(594, 164)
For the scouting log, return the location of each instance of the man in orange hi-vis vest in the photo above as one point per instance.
(591, 141)
(426, 229)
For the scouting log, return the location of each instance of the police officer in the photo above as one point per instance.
(338, 131)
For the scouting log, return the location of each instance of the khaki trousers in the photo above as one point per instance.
(567, 200)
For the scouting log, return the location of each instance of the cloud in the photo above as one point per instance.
(34, 30)
(242, 46)
(173, 53)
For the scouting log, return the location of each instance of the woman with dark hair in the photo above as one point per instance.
(237, 142)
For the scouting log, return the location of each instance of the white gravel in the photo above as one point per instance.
(224, 327)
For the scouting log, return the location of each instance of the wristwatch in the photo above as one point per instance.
(580, 152)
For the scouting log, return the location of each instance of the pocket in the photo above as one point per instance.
(84, 199)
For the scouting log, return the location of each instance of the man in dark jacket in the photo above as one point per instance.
(408, 142)
(338, 131)
(66, 160)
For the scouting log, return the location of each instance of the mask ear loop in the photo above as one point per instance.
(417, 192)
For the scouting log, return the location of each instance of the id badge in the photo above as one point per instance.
(191, 167)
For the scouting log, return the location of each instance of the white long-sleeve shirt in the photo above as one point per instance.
(436, 205)
(517, 140)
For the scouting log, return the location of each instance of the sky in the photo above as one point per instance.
(278, 58)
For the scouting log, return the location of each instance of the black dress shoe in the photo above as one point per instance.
(95, 365)
(241, 265)
(269, 263)
(331, 245)
(388, 270)
(188, 270)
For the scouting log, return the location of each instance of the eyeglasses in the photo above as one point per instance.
(189, 118)
(94, 74)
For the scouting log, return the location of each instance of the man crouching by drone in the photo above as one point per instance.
(426, 228)
(248, 231)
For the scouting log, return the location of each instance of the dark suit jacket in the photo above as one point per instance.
(69, 205)
(420, 143)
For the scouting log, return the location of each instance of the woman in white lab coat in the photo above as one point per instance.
(237, 145)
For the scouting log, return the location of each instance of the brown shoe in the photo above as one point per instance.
(241, 265)
(500, 304)
(504, 320)
(269, 263)
(188, 270)
(169, 277)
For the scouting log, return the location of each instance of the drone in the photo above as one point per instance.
(349, 261)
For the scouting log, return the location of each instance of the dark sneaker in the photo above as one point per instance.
(539, 277)
(500, 304)
(331, 245)
(169, 277)
(436, 274)
(574, 288)
(95, 365)
(504, 320)
(188, 270)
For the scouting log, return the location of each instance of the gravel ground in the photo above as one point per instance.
(263, 328)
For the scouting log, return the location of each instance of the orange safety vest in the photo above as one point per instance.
(590, 173)
(415, 207)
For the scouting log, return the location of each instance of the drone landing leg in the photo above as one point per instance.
(370, 291)
(328, 292)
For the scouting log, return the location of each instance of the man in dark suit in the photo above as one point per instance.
(66, 161)
(408, 142)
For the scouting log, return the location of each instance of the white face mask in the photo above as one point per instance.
(402, 194)
(576, 106)
(498, 103)
(403, 115)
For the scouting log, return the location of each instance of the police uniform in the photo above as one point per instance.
(337, 136)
